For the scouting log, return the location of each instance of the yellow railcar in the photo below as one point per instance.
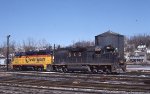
(35, 60)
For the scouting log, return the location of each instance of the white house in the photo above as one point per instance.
(138, 57)
(141, 48)
(148, 51)
(2, 60)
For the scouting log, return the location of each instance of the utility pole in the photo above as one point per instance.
(54, 53)
(8, 51)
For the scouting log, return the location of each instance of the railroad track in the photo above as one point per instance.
(75, 82)
(95, 77)
(93, 87)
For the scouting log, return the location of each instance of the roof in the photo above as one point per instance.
(40, 52)
(2, 56)
(109, 33)
(138, 54)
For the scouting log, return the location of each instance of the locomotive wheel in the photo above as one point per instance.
(49, 68)
(35, 68)
(40, 69)
(65, 69)
(108, 71)
(55, 68)
(95, 71)
(61, 69)
(17, 68)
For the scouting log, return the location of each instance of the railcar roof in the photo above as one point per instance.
(40, 52)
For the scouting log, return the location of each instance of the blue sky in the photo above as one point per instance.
(65, 21)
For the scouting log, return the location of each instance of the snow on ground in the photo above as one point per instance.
(138, 67)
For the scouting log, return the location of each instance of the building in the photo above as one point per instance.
(2, 60)
(138, 57)
(110, 38)
(141, 48)
(148, 51)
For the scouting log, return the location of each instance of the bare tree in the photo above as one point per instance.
(29, 45)
(140, 39)
(43, 44)
(3, 48)
(83, 44)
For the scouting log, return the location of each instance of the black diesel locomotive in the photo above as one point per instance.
(107, 56)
